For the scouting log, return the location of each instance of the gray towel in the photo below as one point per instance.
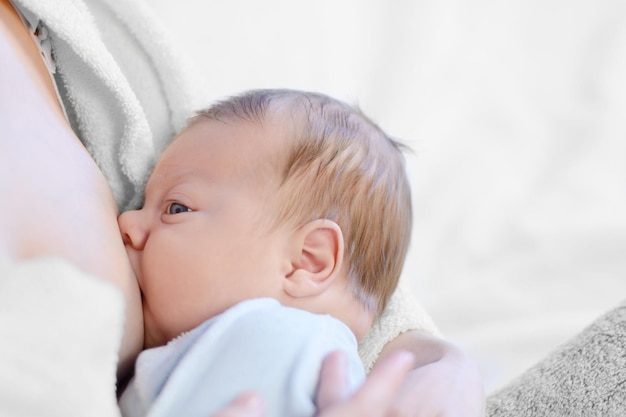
(584, 377)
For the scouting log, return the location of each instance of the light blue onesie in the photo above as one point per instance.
(256, 345)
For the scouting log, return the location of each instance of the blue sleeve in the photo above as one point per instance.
(275, 351)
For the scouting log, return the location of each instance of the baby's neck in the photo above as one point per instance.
(340, 304)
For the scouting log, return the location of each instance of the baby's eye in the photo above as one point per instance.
(176, 208)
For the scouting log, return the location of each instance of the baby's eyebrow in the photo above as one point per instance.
(153, 182)
(168, 179)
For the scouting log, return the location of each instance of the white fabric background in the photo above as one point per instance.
(516, 110)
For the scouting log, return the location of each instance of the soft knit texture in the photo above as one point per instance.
(402, 313)
(586, 377)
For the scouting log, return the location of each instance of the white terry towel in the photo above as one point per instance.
(125, 88)
(61, 331)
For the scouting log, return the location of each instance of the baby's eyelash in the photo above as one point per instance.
(176, 208)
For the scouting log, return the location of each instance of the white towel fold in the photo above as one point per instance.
(123, 131)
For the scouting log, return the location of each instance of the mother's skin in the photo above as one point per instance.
(54, 199)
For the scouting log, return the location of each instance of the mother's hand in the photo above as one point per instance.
(374, 398)
(417, 376)
(438, 379)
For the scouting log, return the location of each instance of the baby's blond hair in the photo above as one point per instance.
(339, 166)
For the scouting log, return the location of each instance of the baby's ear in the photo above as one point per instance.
(317, 258)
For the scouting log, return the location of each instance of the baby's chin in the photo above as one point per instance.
(150, 335)
(153, 335)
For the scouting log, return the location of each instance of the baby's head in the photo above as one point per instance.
(336, 164)
(292, 195)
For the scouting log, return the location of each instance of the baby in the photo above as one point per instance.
(274, 229)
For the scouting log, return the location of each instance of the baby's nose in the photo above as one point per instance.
(134, 233)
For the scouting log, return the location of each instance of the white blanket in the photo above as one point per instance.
(61, 331)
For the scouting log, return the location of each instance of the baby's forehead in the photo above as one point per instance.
(257, 147)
